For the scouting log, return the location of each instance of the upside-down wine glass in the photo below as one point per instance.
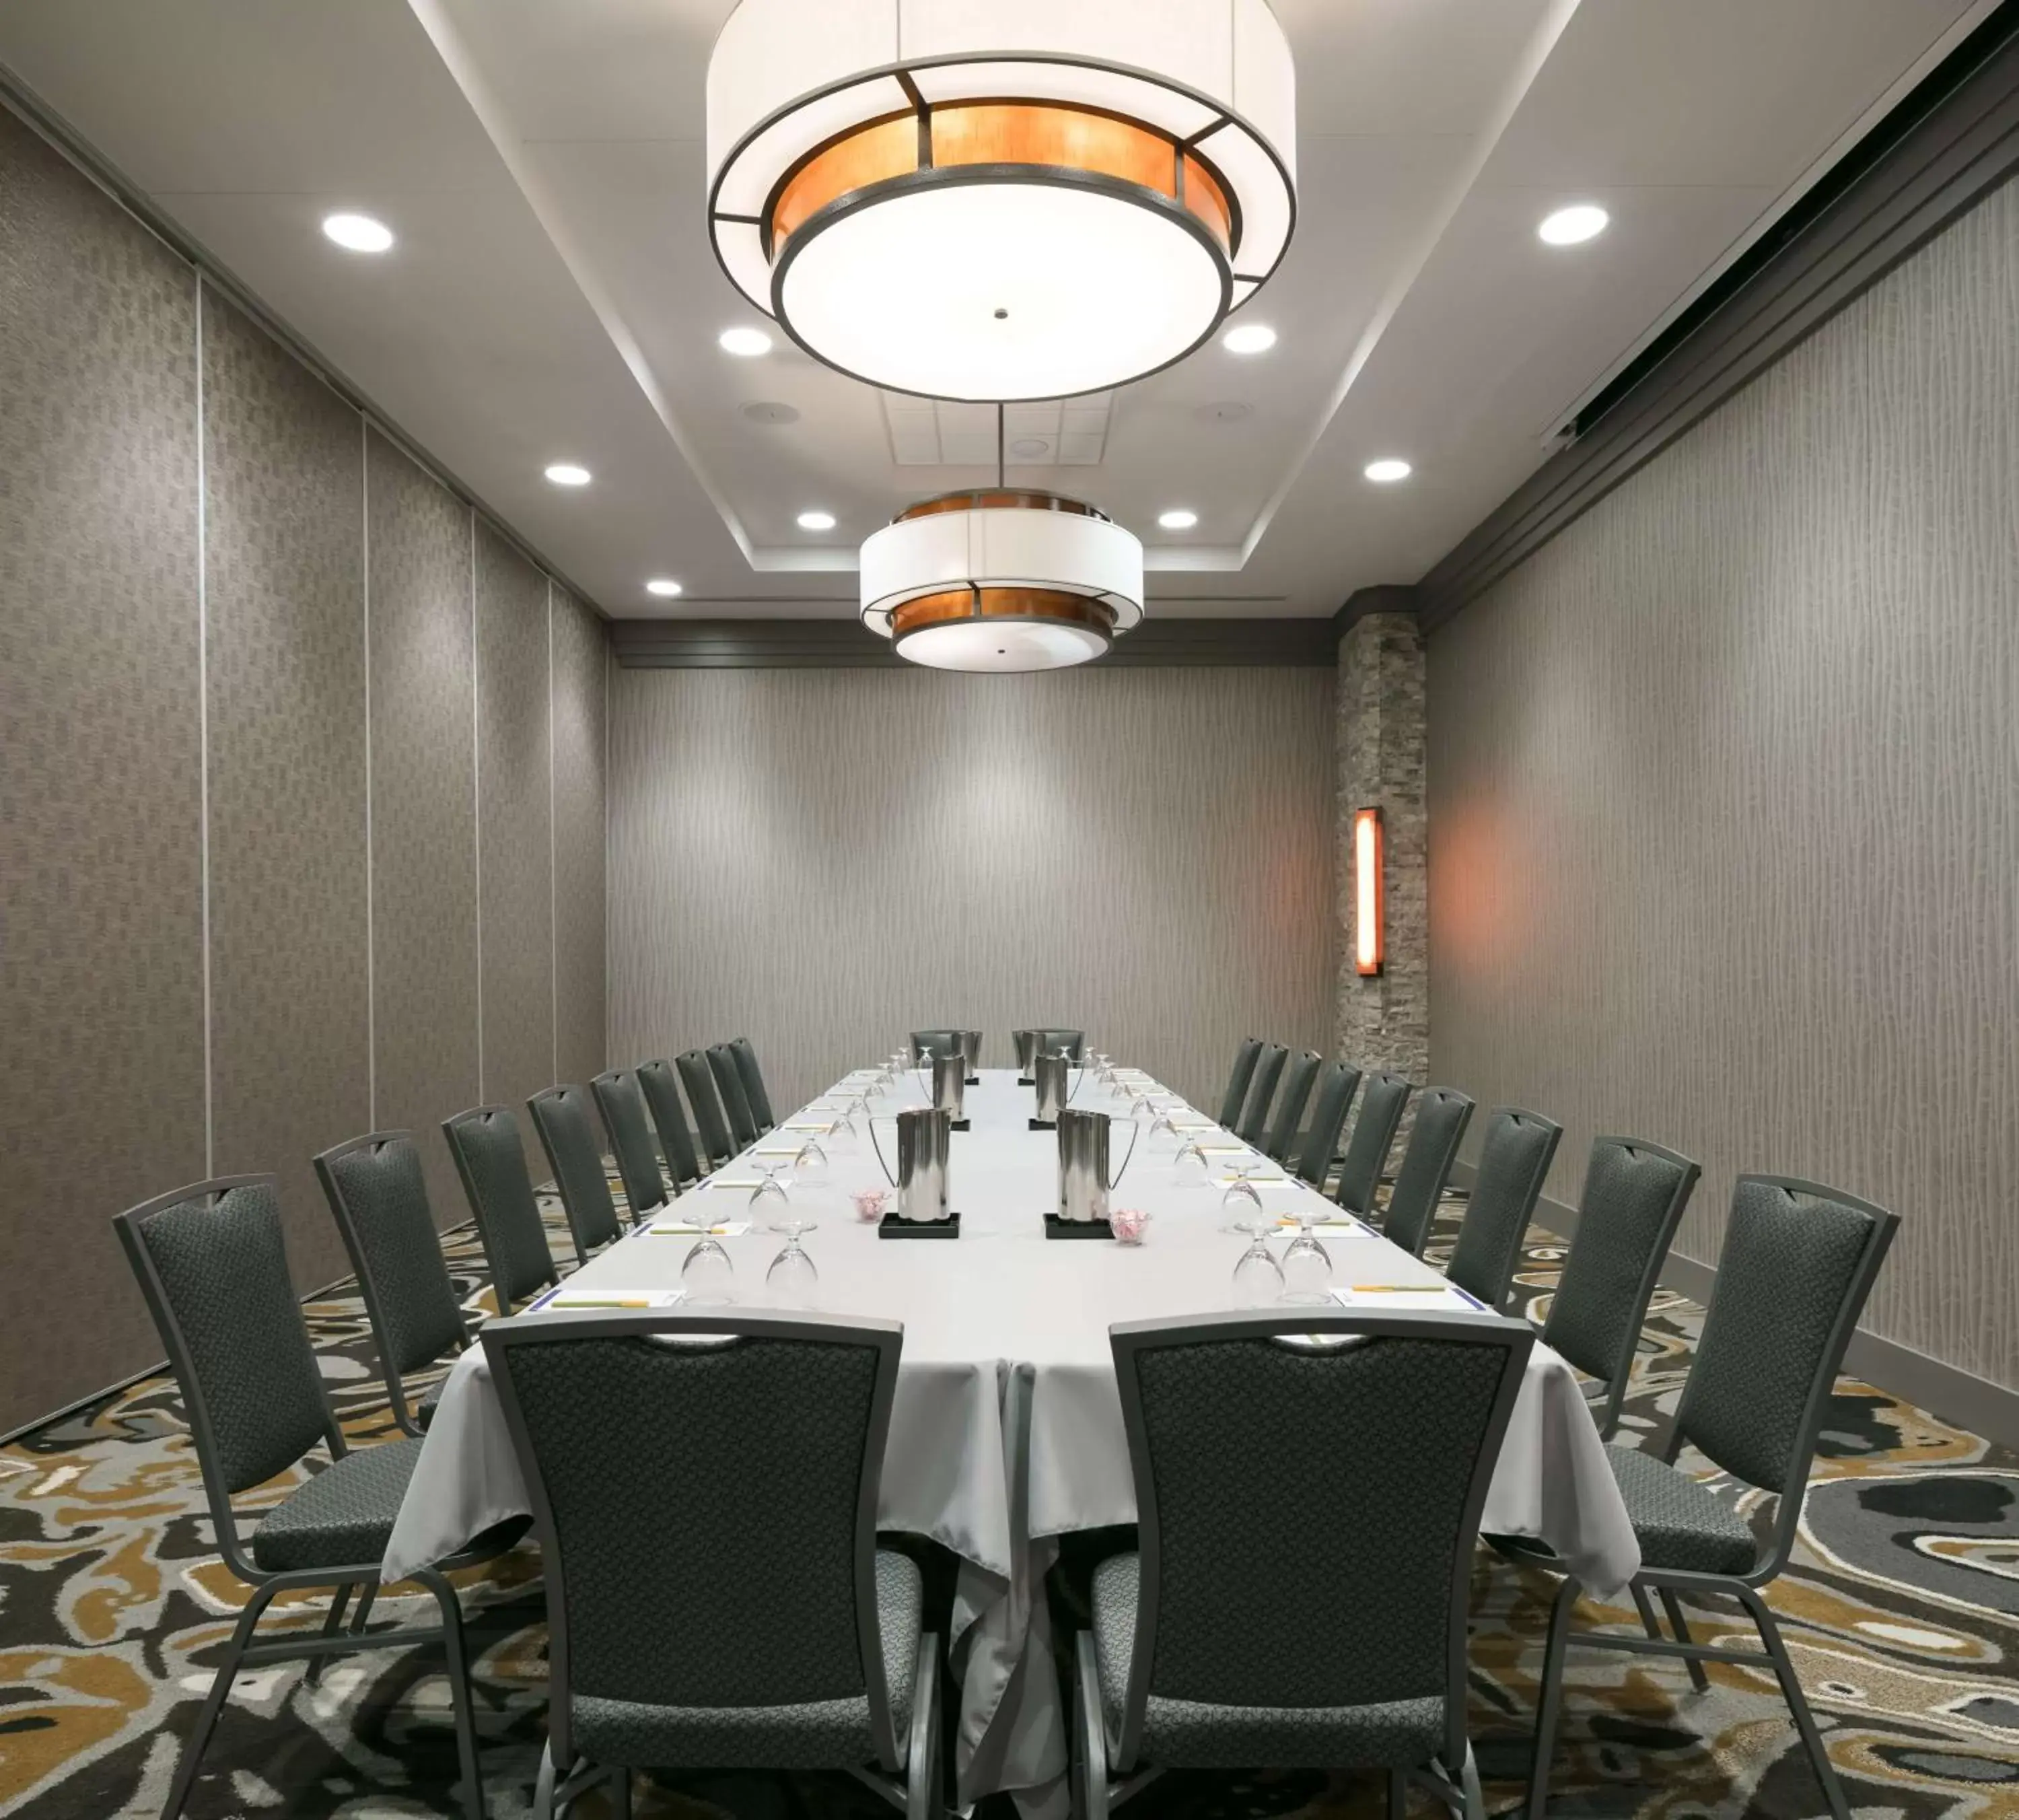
(792, 1281)
(1306, 1264)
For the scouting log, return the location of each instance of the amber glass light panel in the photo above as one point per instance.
(1367, 892)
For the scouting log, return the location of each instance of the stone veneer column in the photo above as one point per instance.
(1384, 1022)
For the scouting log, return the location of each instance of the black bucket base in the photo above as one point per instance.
(1044, 1125)
(974, 1080)
(1055, 1227)
(1026, 1080)
(896, 1226)
(959, 1124)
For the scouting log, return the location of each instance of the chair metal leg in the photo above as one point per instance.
(330, 1627)
(1645, 1606)
(620, 1795)
(458, 1689)
(1090, 1732)
(213, 1705)
(1550, 1711)
(1680, 1625)
(1398, 1794)
(922, 1758)
(363, 1609)
(1791, 1691)
(543, 1784)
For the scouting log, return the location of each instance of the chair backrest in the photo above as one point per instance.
(1254, 1127)
(567, 1134)
(1369, 1477)
(1513, 1164)
(1634, 1196)
(1338, 1081)
(779, 1433)
(378, 1196)
(1382, 1103)
(1297, 1078)
(728, 1085)
(927, 1043)
(1442, 1114)
(1798, 1262)
(752, 1077)
(710, 1126)
(662, 1096)
(1238, 1082)
(491, 1161)
(621, 1102)
(213, 1267)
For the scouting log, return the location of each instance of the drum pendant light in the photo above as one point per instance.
(970, 199)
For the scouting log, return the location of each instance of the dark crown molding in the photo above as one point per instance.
(1949, 144)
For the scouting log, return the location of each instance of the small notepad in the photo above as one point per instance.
(693, 1229)
(570, 1301)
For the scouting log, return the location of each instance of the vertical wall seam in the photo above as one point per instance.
(553, 886)
(477, 796)
(371, 907)
(203, 735)
(608, 1008)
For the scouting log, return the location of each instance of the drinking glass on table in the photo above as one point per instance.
(1241, 1204)
(792, 1281)
(707, 1274)
(771, 1195)
(1193, 1166)
(1306, 1264)
(1257, 1278)
(810, 1164)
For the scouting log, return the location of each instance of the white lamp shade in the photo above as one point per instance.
(1002, 547)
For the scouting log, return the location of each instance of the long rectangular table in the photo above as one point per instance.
(1006, 1432)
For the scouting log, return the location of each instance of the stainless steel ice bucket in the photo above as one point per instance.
(1056, 1085)
(1026, 1049)
(970, 1050)
(925, 1139)
(1084, 1183)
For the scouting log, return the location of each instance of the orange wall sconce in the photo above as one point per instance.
(1368, 891)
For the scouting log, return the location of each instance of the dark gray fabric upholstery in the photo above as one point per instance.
(1680, 1523)
(341, 1517)
(710, 1126)
(1238, 1082)
(1513, 1164)
(1789, 1262)
(729, 1088)
(380, 1197)
(1297, 1079)
(669, 1118)
(1442, 1114)
(223, 1271)
(1254, 1127)
(1633, 1197)
(492, 1160)
(1382, 1102)
(621, 1102)
(752, 1077)
(1337, 1083)
(567, 1134)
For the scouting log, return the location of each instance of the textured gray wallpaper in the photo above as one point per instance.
(1725, 798)
(825, 860)
(101, 882)
(580, 977)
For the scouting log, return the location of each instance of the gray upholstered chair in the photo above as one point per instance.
(1253, 1129)
(1382, 1101)
(710, 1126)
(808, 1652)
(567, 1134)
(752, 1077)
(1442, 1114)
(1337, 1083)
(621, 1102)
(491, 1161)
(213, 1267)
(729, 1088)
(1238, 1082)
(1362, 1445)
(379, 1197)
(1513, 1164)
(1298, 1076)
(1798, 1262)
(670, 1119)
(1634, 1196)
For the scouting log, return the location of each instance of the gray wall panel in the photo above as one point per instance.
(284, 558)
(423, 811)
(580, 697)
(1725, 798)
(101, 943)
(514, 825)
(826, 859)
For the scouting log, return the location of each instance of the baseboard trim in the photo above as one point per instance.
(1945, 1390)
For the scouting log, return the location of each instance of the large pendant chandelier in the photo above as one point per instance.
(972, 200)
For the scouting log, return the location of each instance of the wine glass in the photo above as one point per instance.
(1192, 1166)
(1241, 1204)
(1257, 1278)
(810, 1163)
(771, 1195)
(792, 1281)
(1306, 1264)
(707, 1274)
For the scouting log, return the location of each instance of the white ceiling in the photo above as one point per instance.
(552, 296)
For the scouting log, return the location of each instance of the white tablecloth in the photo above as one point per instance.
(1007, 1429)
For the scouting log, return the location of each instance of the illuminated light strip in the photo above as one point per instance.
(1367, 892)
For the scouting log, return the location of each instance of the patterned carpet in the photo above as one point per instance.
(1902, 1610)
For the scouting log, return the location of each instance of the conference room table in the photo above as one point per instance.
(1006, 1432)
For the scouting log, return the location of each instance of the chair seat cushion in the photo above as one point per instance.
(1204, 1735)
(814, 1735)
(1681, 1524)
(343, 1517)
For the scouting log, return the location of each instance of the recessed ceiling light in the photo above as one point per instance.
(1249, 338)
(357, 233)
(1582, 221)
(660, 585)
(745, 343)
(568, 474)
(1179, 519)
(1387, 471)
(1029, 447)
(817, 521)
